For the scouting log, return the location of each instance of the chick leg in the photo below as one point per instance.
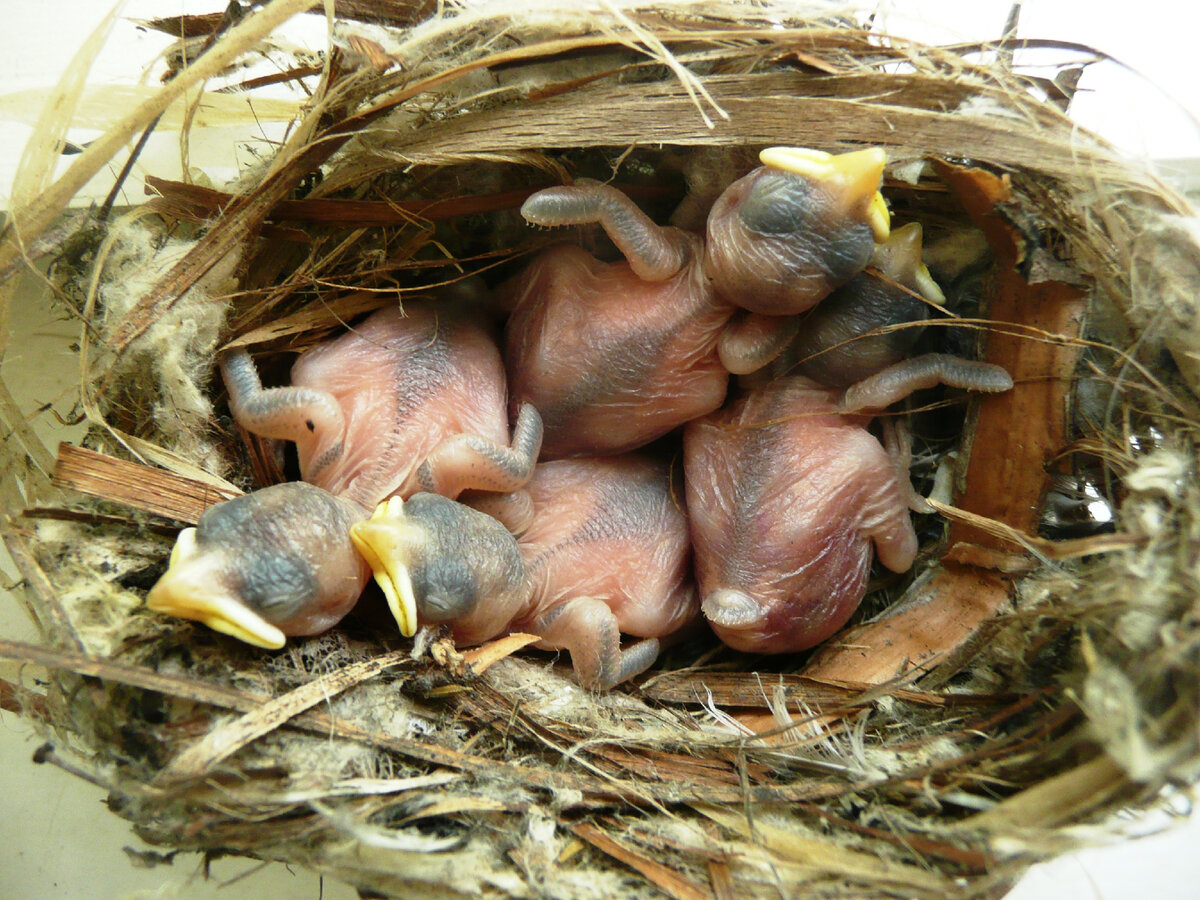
(470, 462)
(898, 381)
(897, 441)
(754, 340)
(587, 628)
(885, 514)
(653, 253)
(286, 413)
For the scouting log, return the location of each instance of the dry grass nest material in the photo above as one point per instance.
(1023, 682)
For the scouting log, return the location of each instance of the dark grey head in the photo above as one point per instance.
(437, 560)
(252, 565)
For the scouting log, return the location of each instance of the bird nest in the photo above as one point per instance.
(1038, 670)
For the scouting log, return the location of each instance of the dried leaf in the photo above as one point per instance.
(754, 689)
(1059, 799)
(101, 105)
(824, 856)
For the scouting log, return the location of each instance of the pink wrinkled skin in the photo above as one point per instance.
(786, 498)
(611, 361)
(610, 529)
(405, 379)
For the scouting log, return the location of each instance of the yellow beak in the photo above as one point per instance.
(903, 252)
(878, 218)
(926, 286)
(856, 174)
(385, 541)
(189, 591)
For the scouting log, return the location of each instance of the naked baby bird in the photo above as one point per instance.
(789, 492)
(615, 355)
(409, 400)
(870, 323)
(606, 553)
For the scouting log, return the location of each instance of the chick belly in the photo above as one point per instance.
(610, 361)
(782, 516)
(598, 416)
(405, 380)
(392, 427)
(613, 526)
(648, 598)
(783, 543)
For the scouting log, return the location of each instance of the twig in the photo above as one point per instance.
(49, 613)
(670, 882)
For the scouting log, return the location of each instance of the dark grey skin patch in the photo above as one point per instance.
(425, 372)
(759, 447)
(625, 511)
(784, 207)
(328, 458)
(466, 558)
(778, 203)
(445, 587)
(629, 359)
(618, 513)
(830, 347)
(426, 369)
(277, 586)
(273, 577)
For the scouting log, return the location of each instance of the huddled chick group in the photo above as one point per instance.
(559, 528)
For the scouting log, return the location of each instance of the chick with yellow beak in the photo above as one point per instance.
(804, 223)
(856, 339)
(293, 559)
(856, 331)
(440, 562)
(266, 565)
(411, 398)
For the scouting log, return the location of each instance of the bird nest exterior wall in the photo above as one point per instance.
(1031, 666)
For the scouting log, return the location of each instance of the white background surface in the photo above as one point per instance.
(56, 838)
